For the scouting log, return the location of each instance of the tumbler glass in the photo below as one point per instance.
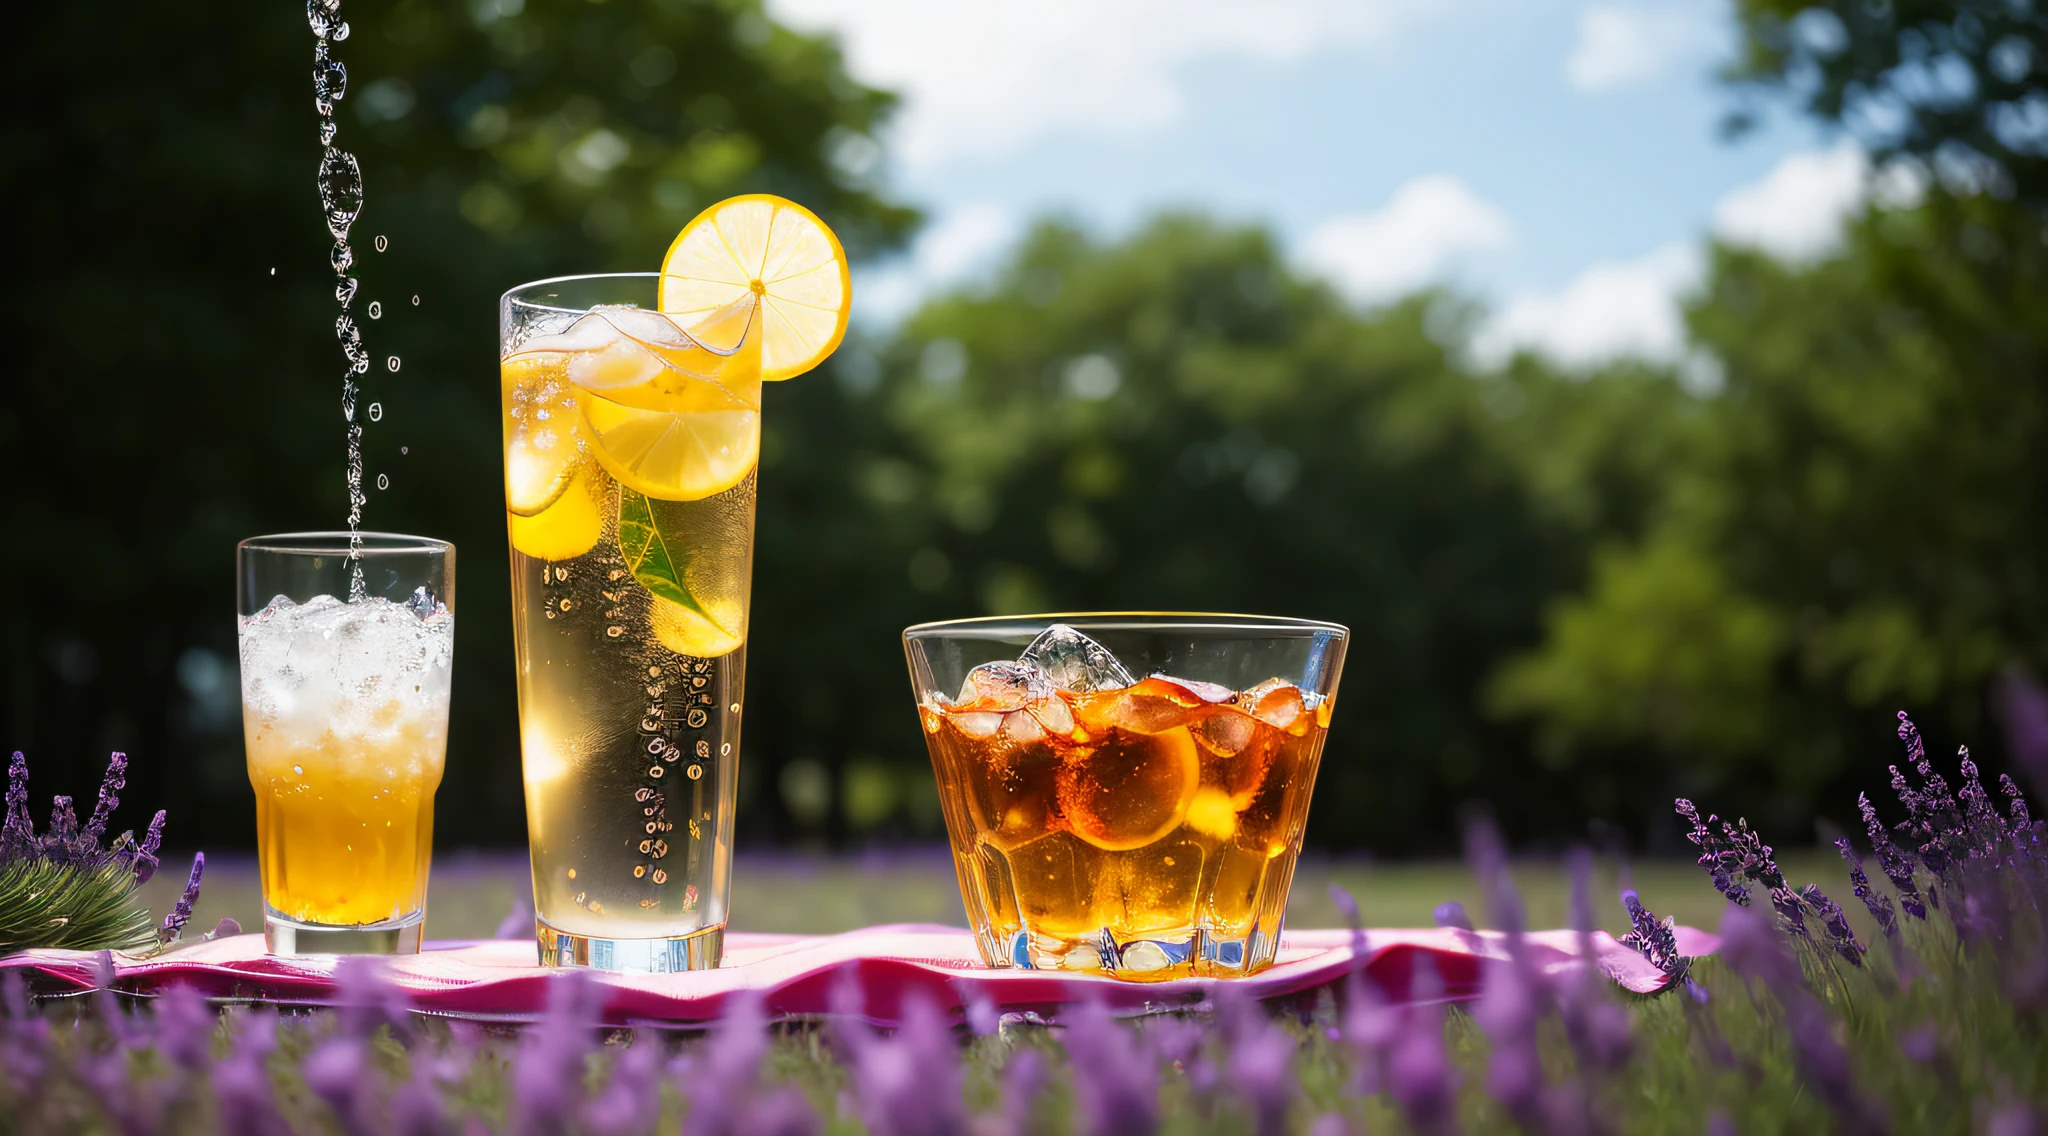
(1126, 793)
(347, 645)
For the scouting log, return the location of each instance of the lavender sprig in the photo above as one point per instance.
(88, 840)
(174, 923)
(18, 834)
(1836, 924)
(1897, 867)
(1654, 940)
(1716, 856)
(1876, 902)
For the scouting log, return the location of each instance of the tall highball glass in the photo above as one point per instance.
(346, 659)
(630, 453)
(1126, 793)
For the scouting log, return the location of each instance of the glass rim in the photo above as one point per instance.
(1004, 626)
(511, 295)
(336, 542)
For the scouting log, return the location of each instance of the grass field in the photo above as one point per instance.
(471, 892)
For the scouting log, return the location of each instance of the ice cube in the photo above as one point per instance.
(1276, 702)
(1004, 687)
(1073, 662)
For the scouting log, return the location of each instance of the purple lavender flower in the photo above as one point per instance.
(1876, 902)
(241, 1080)
(1509, 1011)
(1419, 1073)
(1757, 953)
(1654, 940)
(547, 1070)
(1261, 1063)
(1024, 1077)
(1116, 1090)
(174, 923)
(1839, 935)
(783, 1112)
(1921, 1043)
(338, 1073)
(2016, 806)
(144, 860)
(111, 785)
(2024, 706)
(63, 834)
(1716, 856)
(1934, 819)
(1897, 868)
(1984, 829)
(631, 1102)
(718, 1084)
(909, 1084)
(1451, 914)
(1596, 1026)
(184, 1028)
(518, 923)
(17, 834)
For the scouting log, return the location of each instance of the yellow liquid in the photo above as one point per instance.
(629, 704)
(345, 826)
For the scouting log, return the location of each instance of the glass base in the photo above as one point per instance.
(283, 936)
(1197, 953)
(699, 950)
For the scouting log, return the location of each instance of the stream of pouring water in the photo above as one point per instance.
(341, 198)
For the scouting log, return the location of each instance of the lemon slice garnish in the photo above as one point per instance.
(719, 630)
(569, 526)
(772, 249)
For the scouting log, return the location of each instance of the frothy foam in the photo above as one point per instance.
(368, 671)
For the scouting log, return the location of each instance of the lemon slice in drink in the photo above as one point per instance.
(777, 251)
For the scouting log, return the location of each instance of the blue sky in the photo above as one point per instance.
(1558, 159)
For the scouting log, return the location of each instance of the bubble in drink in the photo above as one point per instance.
(376, 411)
(391, 364)
(383, 482)
(376, 310)
(415, 301)
(381, 243)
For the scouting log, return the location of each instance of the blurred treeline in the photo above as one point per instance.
(1572, 595)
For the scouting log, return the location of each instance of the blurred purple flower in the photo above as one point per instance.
(1116, 1089)
(365, 999)
(630, 1102)
(1419, 1075)
(1024, 1077)
(782, 1112)
(1487, 855)
(2024, 706)
(184, 1027)
(1596, 1026)
(1720, 1124)
(1921, 1043)
(983, 1016)
(416, 1107)
(1897, 867)
(1330, 1124)
(1757, 953)
(174, 923)
(1876, 902)
(908, 1084)
(518, 923)
(1451, 914)
(338, 1071)
(719, 1077)
(241, 1080)
(547, 1070)
(1261, 1062)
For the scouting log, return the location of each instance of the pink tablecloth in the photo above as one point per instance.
(797, 975)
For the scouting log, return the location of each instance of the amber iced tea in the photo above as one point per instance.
(1144, 828)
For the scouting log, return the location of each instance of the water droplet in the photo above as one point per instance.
(330, 83)
(376, 412)
(646, 846)
(299, 769)
(565, 603)
(341, 190)
(696, 773)
(345, 290)
(381, 243)
(615, 631)
(653, 672)
(391, 364)
(582, 897)
(383, 482)
(404, 450)
(639, 870)
(376, 310)
(551, 614)
(661, 875)
(655, 771)
(415, 301)
(725, 750)
(572, 873)
(273, 272)
(735, 708)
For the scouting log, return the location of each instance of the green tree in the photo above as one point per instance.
(1955, 84)
(1854, 528)
(176, 379)
(1175, 421)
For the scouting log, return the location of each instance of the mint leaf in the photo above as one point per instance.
(658, 566)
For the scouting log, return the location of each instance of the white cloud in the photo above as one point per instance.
(1621, 45)
(1796, 211)
(1425, 229)
(983, 78)
(1612, 309)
